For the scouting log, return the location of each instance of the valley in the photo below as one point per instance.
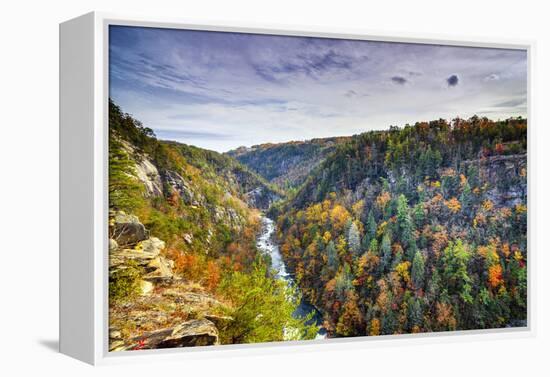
(413, 229)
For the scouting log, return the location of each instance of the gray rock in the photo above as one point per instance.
(152, 245)
(159, 269)
(148, 174)
(127, 230)
(197, 332)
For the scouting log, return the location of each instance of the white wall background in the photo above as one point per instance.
(29, 185)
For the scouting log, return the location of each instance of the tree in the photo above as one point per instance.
(455, 271)
(386, 253)
(417, 271)
(262, 309)
(351, 321)
(332, 256)
(466, 195)
(406, 225)
(354, 239)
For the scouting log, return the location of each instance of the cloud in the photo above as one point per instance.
(452, 80)
(492, 77)
(310, 64)
(512, 103)
(188, 134)
(222, 90)
(399, 80)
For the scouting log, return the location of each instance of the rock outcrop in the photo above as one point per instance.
(168, 312)
(148, 174)
(127, 230)
(261, 198)
(196, 332)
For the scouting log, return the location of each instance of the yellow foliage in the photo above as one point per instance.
(521, 208)
(374, 327)
(381, 228)
(339, 216)
(506, 250)
(453, 204)
(358, 208)
(402, 270)
(327, 237)
(488, 205)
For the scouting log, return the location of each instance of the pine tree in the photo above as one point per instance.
(332, 256)
(386, 253)
(417, 270)
(354, 239)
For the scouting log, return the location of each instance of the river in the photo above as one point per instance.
(266, 243)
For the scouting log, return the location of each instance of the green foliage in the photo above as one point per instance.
(125, 191)
(418, 270)
(124, 284)
(262, 309)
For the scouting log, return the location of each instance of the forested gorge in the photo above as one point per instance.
(184, 266)
(414, 229)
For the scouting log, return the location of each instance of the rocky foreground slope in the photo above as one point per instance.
(168, 311)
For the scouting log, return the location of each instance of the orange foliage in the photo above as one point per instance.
(383, 199)
(212, 275)
(495, 276)
(445, 316)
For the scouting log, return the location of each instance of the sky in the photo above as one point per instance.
(220, 90)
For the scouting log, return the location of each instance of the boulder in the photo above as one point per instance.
(113, 245)
(127, 230)
(159, 269)
(197, 332)
(151, 245)
(123, 256)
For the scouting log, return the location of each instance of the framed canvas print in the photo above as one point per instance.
(226, 188)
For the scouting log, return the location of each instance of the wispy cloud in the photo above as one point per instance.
(222, 90)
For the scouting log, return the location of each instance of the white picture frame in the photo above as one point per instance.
(84, 203)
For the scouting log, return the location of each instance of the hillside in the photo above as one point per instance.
(185, 269)
(414, 229)
(287, 165)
